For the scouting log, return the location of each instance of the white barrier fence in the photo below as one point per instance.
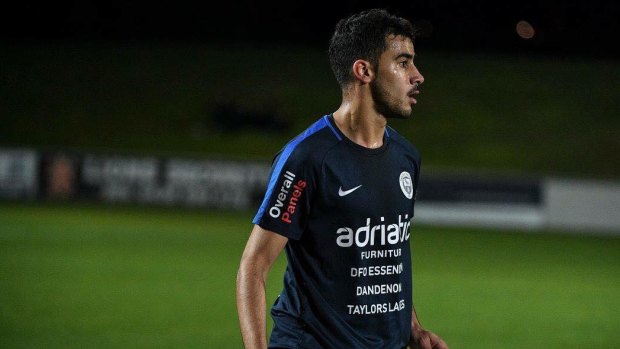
(549, 203)
(566, 205)
(582, 204)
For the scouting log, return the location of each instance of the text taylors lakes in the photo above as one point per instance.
(381, 234)
(276, 211)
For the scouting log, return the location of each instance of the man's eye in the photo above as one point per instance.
(404, 64)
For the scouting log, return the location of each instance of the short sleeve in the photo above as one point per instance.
(286, 205)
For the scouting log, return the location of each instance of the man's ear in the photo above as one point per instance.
(362, 71)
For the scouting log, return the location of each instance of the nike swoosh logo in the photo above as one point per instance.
(347, 192)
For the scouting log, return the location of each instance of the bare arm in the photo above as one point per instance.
(261, 250)
(423, 339)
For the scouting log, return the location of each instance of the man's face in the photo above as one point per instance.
(397, 80)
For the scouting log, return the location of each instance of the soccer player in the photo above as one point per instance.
(339, 201)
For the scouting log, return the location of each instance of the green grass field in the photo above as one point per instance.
(119, 277)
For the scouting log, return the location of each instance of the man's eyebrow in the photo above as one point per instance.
(405, 55)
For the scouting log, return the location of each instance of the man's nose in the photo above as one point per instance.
(417, 78)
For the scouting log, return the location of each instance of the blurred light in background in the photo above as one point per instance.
(525, 30)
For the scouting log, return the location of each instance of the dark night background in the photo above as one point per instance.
(73, 72)
(562, 27)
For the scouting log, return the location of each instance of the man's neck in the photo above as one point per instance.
(361, 126)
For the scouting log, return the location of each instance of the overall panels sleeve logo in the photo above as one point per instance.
(288, 197)
(406, 185)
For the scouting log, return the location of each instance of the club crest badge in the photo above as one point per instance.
(406, 184)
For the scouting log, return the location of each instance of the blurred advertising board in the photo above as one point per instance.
(458, 198)
(65, 175)
(18, 174)
(173, 181)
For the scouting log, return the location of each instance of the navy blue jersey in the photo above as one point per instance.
(346, 210)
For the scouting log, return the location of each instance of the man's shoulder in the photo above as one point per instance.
(404, 144)
(312, 143)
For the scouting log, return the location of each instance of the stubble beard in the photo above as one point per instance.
(387, 104)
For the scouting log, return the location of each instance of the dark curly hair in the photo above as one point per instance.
(363, 36)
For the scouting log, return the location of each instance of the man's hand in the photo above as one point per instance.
(423, 339)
